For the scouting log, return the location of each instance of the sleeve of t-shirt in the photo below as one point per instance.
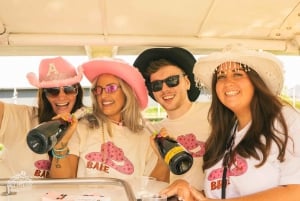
(290, 168)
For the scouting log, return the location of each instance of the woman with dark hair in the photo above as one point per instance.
(253, 149)
(59, 91)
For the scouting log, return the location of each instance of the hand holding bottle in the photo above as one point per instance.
(45, 136)
(162, 132)
(173, 153)
(72, 121)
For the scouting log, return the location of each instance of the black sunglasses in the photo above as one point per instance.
(110, 88)
(68, 90)
(171, 81)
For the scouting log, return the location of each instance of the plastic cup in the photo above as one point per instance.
(141, 185)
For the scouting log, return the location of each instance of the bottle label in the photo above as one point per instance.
(172, 152)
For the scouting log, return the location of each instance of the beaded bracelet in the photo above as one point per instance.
(60, 149)
(59, 156)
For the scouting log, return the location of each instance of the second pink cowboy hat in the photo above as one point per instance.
(93, 68)
(54, 72)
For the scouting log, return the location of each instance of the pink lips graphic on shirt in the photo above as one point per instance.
(112, 156)
(240, 167)
(190, 143)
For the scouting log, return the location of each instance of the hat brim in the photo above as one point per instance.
(178, 56)
(268, 67)
(93, 68)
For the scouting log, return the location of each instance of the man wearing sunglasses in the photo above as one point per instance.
(168, 74)
(59, 91)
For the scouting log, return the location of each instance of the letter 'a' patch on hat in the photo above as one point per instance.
(54, 72)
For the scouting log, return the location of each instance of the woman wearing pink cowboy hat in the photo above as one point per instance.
(59, 91)
(113, 141)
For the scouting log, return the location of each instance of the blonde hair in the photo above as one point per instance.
(131, 113)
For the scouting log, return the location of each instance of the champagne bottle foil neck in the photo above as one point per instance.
(81, 112)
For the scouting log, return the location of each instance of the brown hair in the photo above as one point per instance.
(265, 109)
(45, 111)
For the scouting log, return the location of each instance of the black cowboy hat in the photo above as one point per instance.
(178, 56)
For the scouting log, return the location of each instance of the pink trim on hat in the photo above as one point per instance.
(93, 68)
(54, 72)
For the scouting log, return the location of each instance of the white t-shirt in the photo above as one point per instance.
(245, 178)
(123, 155)
(191, 130)
(18, 157)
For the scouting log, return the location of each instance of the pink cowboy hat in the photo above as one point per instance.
(93, 68)
(54, 72)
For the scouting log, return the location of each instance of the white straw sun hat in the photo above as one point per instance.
(267, 65)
